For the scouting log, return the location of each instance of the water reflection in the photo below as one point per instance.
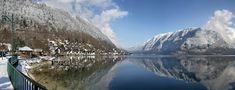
(214, 72)
(74, 73)
(138, 73)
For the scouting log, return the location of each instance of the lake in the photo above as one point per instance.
(138, 73)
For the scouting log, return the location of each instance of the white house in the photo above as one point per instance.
(25, 52)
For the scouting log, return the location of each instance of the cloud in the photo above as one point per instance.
(99, 12)
(103, 22)
(222, 23)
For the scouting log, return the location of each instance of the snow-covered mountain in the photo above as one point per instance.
(187, 41)
(34, 13)
(38, 21)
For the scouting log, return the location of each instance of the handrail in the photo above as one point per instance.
(19, 80)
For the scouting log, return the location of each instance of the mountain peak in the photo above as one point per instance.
(192, 40)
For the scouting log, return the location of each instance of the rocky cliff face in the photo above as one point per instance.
(37, 25)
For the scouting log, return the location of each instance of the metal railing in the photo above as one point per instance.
(19, 80)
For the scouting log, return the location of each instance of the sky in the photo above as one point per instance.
(131, 22)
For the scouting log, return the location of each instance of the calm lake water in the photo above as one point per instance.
(138, 73)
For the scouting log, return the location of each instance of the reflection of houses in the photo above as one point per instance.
(3, 50)
(25, 52)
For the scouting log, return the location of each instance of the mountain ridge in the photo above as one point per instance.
(37, 25)
(187, 41)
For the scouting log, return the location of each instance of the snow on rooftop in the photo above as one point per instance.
(37, 50)
(25, 48)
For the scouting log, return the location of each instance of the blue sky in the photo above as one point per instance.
(129, 23)
(147, 18)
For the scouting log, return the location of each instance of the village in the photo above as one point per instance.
(27, 52)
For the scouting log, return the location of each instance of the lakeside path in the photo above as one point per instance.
(5, 83)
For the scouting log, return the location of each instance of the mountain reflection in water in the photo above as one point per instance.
(138, 73)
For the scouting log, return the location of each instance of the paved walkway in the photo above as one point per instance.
(5, 83)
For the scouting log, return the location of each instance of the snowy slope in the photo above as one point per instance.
(31, 13)
(190, 41)
(37, 25)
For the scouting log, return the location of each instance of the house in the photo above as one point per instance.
(25, 52)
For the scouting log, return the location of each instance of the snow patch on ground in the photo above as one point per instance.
(26, 64)
(5, 83)
(23, 67)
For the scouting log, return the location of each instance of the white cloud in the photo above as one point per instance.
(103, 22)
(222, 23)
(99, 12)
